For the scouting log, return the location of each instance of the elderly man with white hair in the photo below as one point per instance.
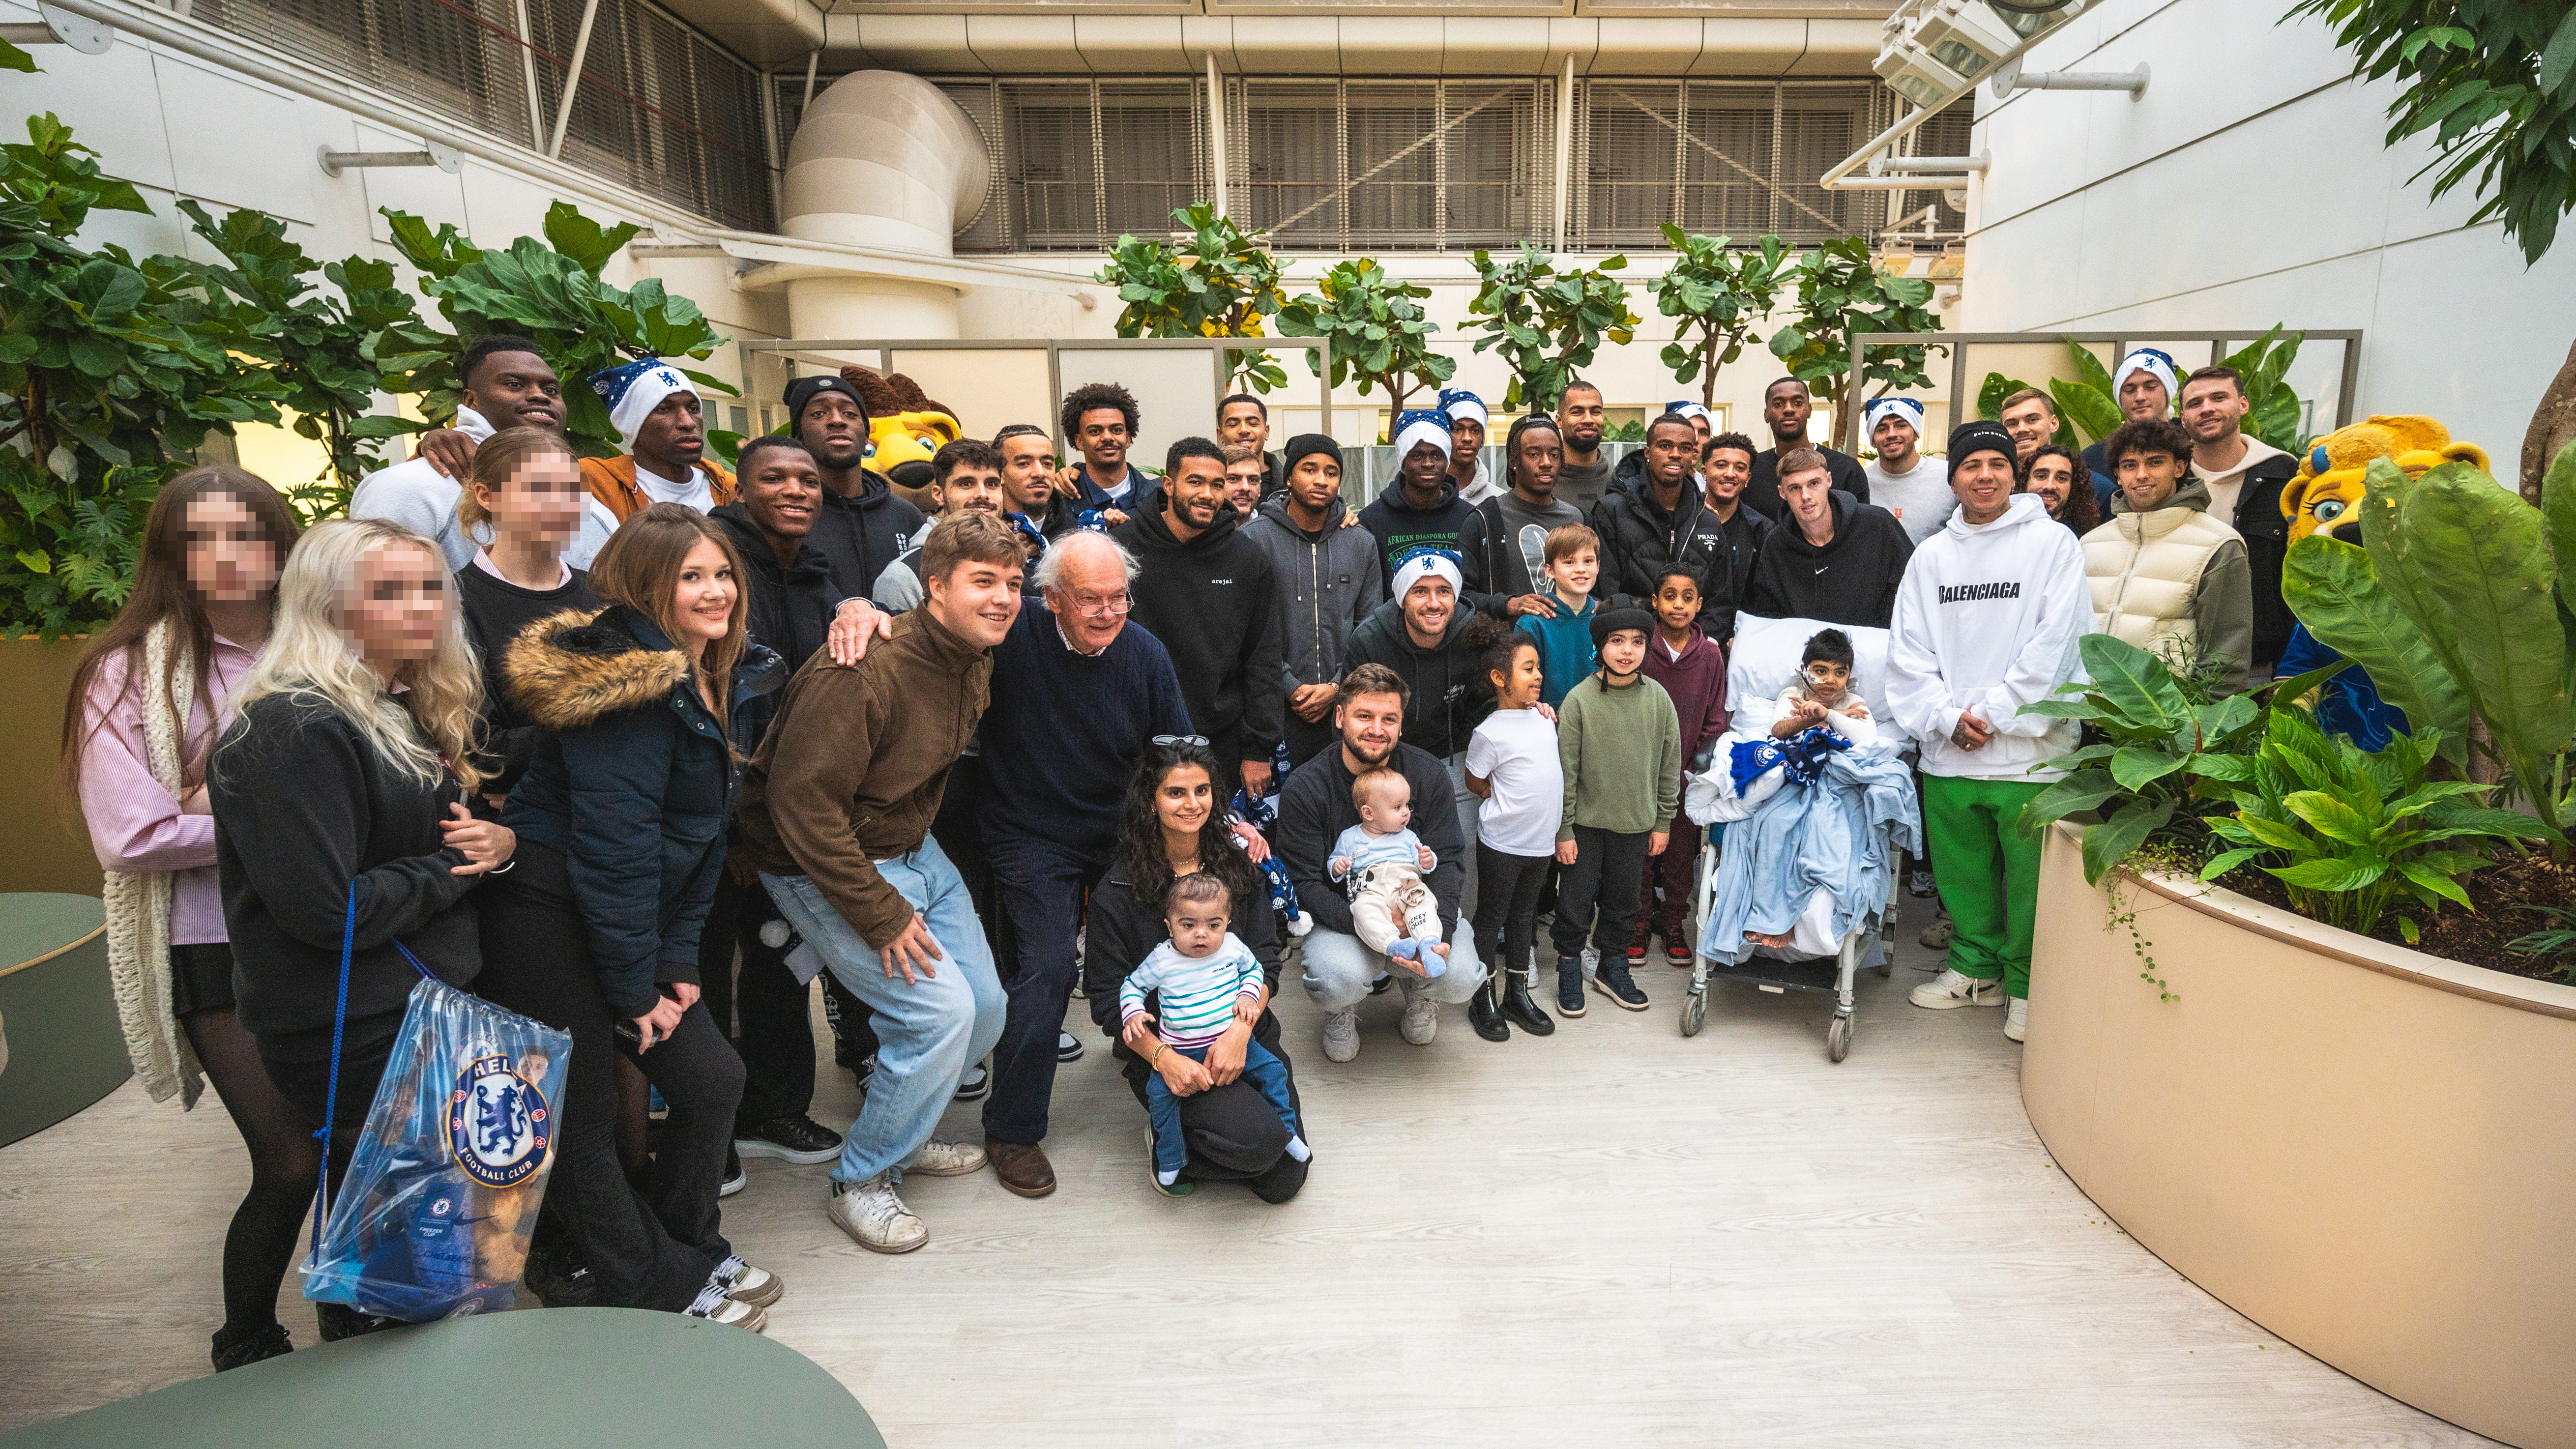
(1077, 696)
(1901, 480)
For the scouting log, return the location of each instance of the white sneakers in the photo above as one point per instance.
(716, 1305)
(1950, 989)
(744, 1283)
(2017, 1018)
(875, 1218)
(939, 1158)
(1342, 1034)
(1421, 1019)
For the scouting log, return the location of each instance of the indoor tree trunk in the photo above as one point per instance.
(2553, 425)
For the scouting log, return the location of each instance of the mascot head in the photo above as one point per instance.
(2326, 494)
(904, 430)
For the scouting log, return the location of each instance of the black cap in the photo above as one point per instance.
(1979, 436)
(1620, 611)
(1303, 445)
(803, 390)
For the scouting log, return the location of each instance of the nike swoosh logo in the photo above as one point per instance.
(1826, 567)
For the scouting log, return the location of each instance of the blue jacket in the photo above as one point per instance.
(633, 783)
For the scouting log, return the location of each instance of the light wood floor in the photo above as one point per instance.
(1612, 1236)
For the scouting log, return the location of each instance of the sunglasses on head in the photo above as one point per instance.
(1173, 742)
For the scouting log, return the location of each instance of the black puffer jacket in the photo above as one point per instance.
(633, 785)
(1640, 540)
(1451, 695)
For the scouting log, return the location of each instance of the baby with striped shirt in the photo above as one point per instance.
(1207, 980)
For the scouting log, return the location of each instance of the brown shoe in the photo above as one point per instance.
(1023, 1169)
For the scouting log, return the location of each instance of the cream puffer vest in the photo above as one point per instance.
(2143, 568)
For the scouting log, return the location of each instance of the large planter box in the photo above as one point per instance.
(47, 849)
(2367, 1150)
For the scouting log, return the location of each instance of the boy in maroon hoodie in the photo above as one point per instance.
(1692, 669)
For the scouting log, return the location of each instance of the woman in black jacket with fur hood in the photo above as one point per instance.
(621, 821)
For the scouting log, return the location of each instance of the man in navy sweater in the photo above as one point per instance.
(1076, 697)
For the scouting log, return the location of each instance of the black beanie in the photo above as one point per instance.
(1978, 436)
(1301, 446)
(1620, 611)
(803, 390)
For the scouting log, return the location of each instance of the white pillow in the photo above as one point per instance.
(1765, 661)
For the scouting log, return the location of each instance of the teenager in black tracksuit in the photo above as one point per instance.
(1213, 602)
(621, 821)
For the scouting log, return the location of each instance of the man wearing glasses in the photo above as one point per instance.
(1076, 695)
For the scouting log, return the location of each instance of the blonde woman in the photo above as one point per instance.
(622, 818)
(147, 704)
(346, 774)
(524, 492)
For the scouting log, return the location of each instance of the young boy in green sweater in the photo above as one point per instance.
(1619, 739)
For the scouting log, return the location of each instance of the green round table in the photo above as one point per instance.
(544, 1379)
(61, 1047)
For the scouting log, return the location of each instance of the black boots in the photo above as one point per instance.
(1520, 1008)
(1485, 1011)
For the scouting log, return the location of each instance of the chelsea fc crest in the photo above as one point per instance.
(497, 1123)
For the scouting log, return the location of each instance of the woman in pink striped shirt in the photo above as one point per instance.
(147, 704)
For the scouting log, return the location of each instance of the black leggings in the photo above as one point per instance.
(1507, 888)
(267, 1229)
(652, 1250)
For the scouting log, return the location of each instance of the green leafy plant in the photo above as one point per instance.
(2353, 834)
(1840, 291)
(1376, 328)
(322, 348)
(551, 293)
(2153, 744)
(1219, 283)
(112, 372)
(1716, 293)
(2553, 942)
(2494, 84)
(2457, 603)
(1547, 325)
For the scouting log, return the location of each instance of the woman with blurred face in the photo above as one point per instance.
(524, 491)
(148, 701)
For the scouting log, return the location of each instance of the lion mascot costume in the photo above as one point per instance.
(905, 430)
(2325, 497)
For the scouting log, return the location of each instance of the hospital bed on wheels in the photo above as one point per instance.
(1780, 975)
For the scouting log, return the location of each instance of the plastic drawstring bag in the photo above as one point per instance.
(435, 1211)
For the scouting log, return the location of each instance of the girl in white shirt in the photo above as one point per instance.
(1514, 769)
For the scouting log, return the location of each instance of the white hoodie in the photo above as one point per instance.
(1988, 615)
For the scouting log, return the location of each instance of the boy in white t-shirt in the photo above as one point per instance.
(1512, 767)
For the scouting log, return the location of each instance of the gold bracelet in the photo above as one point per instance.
(1154, 1062)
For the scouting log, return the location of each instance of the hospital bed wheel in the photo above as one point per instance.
(1838, 1038)
(1694, 1013)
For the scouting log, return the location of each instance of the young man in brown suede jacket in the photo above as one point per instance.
(835, 815)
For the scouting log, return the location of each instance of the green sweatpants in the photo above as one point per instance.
(1989, 874)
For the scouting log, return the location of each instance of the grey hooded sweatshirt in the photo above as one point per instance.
(1329, 580)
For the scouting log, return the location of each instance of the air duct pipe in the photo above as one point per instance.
(880, 159)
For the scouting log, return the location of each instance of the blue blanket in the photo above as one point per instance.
(1838, 834)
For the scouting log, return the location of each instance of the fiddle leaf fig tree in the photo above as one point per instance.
(1547, 325)
(1376, 328)
(1220, 282)
(551, 293)
(1716, 293)
(1841, 291)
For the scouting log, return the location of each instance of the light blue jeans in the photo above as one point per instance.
(928, 1031)
(1339, 970)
